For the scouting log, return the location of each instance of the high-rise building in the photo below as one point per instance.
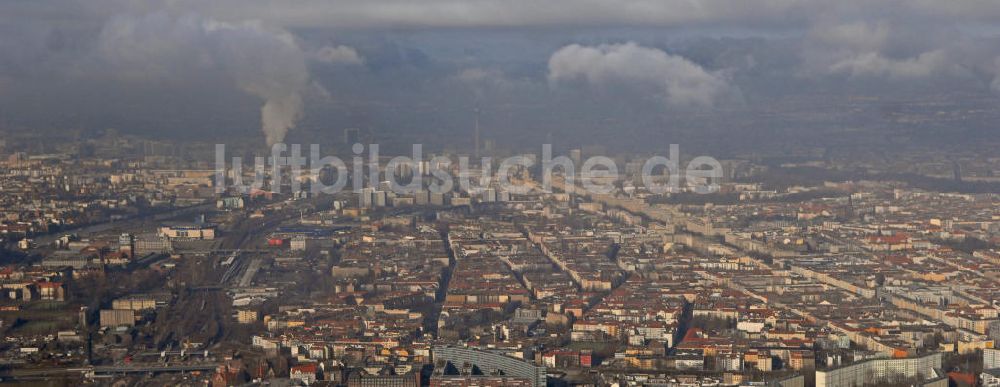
(381, 198)
(991, 358)
(366, 198)
(437, 199)
(993, 330)
(489, 195)
(126, 244)
(422, 197)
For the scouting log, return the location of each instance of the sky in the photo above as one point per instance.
(282, 70)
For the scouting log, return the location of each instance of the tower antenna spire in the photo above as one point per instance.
(476, 139)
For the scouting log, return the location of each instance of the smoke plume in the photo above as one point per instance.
(263, 62)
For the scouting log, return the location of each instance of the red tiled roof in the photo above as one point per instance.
(305, 368)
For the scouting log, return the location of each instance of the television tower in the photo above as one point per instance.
(477, 135)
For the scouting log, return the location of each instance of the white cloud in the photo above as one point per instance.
(682, 82)
(338, 55)
(874, 64)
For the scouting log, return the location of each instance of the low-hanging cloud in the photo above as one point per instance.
(881, 49)
(874, 64)
(682, 82)
(264, 62)
(341, 54)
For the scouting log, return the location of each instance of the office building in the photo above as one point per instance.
(870, 371)
(490, 363)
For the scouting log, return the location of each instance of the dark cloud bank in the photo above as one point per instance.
(416, 70)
